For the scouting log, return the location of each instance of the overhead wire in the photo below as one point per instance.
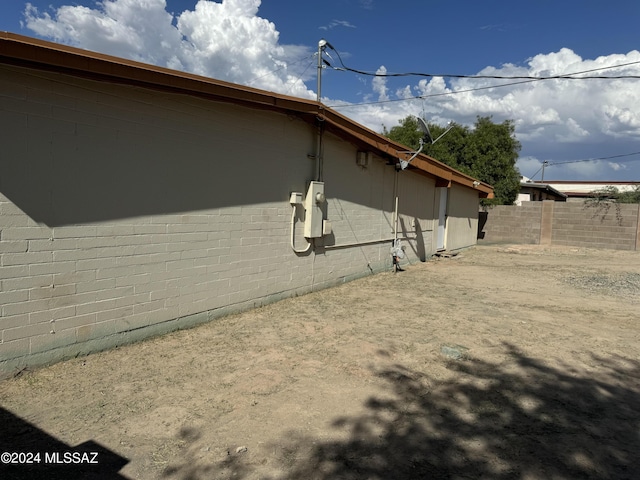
(273, 72)
(523, 79)
(432, 95)
(599, 158)
(564, 76)
(548, 163)
(299, 77)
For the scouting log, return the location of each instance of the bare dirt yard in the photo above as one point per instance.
(501, 362)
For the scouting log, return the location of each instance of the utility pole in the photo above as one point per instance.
(544, 163)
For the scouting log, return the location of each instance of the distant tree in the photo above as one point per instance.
(630, 196)
(488, 152)
(613, 194)
(602, 199)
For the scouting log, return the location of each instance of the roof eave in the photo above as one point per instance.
(30, 52)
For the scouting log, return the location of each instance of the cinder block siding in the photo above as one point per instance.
(361, 205)
(126, 213)
(604, 226)
(511, 224)
(564, 223)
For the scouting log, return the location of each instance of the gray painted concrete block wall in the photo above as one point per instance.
(126, 213)
(511, 224)
(587, 225)
(572, 224)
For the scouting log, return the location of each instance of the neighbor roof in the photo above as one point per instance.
(585, 188)
(542, 187)
(39, 54)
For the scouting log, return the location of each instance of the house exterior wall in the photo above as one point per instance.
(126, 213)
(350, 188)
(462, 220)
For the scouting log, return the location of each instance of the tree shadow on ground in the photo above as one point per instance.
(521, 418)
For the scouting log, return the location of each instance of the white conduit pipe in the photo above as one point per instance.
(293, 223)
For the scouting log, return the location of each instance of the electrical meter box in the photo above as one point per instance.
(313, 203)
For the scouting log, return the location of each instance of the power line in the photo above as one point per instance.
(286, 65)
(432, 95)
(547, 163)
(599, 158)
(299, 78)
(565, 76)
(524, 79)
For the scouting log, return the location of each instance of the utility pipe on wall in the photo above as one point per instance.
(395, 221)
(293, 224)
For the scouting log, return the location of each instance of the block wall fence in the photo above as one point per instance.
(607, 225)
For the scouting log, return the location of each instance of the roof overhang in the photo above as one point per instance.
(543, 187)
(28, 52)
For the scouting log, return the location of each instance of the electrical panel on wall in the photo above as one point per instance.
(313, 203)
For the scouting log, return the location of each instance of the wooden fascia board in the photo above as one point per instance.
(422, 162)
(384, 146)
(28, 52)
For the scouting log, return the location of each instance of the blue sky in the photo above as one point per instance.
(270, 44)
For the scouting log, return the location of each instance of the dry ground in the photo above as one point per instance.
(502, 362)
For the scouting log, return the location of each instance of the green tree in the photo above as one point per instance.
(630, 196)
(613, 194)
(488, 152)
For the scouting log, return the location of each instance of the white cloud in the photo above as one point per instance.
(379, 85)
(617, 166)
(366, 4)
(227, 40)
(337, 23)
(566, 119)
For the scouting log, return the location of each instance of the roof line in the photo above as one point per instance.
(29, 52)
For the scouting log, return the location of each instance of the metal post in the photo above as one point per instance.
(321, 44)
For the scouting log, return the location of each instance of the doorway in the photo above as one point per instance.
(442, 193)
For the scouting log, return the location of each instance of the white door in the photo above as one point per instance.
(442, 216)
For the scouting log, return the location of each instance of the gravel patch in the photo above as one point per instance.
(622, 284)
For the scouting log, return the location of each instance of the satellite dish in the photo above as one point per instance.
(424, 128)
(426, 138)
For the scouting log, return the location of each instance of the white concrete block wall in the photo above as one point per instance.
(126, 213)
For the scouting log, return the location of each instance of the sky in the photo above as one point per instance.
(586, 129)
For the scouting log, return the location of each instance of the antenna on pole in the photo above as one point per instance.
(322, 45)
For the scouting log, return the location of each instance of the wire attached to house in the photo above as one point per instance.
(565, 76)
(521, 80)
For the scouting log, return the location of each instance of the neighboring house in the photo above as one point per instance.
(135, 200)
(581, 190)
(537, 192)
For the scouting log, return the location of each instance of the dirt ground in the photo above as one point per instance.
(500, 362)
